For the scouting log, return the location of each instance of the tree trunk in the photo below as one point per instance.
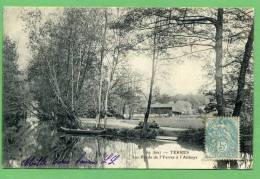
(70, 115)
(100, 92)
(72, 82)
(79, 73)
(106, 103)
(145, 157)
(242, 73)
(123, 109)
(218, 63)
(130, 112)
(151, 86)
(111, 76)
(102, 54)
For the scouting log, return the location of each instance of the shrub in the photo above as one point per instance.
(150, 125)
(193, 135)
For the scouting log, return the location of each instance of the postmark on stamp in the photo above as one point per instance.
(222, 138)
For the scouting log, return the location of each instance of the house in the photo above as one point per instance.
(161, 109)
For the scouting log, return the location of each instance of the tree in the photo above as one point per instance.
(242, 73)
(64, 53)
(117, 48)
(183, 106)
(102, 55)
(14, 98)
(148, 31)
(218, 24)
(13, 108)
(125, 92)
(154, 53)
(218, 62)
(164, 28)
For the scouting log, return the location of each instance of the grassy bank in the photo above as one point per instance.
(183, 122)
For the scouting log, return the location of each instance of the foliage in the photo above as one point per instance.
(151, 125)
(193, 136)
(15, 129)
(64, 73)
(13, 104)
(135, 133)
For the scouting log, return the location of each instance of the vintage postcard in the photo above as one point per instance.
(140, 88)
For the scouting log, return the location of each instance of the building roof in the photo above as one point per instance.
(167, 105)
(159, 105)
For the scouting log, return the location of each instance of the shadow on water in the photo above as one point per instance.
(93, 152)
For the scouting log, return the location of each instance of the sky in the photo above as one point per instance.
(172, 78)
(175, 78)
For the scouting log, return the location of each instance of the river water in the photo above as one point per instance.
(96, 152)
(46, 149)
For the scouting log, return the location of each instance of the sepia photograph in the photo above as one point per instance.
(139, 88)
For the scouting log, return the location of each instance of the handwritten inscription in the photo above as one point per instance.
(41, 161)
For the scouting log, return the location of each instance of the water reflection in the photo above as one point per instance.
(64, 151)
(145, 157)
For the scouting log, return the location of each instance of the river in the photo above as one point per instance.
(46, 149)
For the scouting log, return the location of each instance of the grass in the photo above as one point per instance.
(184, 126)
(184, 121)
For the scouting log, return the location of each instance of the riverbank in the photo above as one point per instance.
(170, 128)
(168, 123)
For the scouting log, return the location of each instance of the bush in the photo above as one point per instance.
(151, 133)
(193, 135)
(150, 125)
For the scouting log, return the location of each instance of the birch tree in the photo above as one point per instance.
(63, 49)
(102, 55)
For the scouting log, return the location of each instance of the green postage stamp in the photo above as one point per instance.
(222, 138)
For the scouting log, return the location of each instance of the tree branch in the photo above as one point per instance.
(185, 54)
(230, 63)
